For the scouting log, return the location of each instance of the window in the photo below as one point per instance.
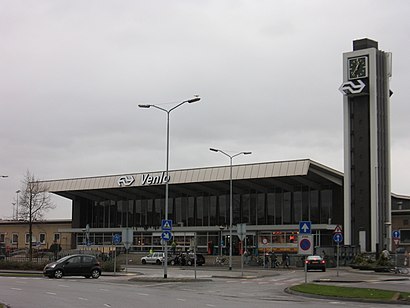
(42, 237)
(15, 238)
(75, 260)
(27, 238)
(56, 237)
(2, 237)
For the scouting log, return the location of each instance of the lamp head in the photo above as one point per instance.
(247, 153)
(18, 191)
(214, 150)
(144, 106)
(193, 100)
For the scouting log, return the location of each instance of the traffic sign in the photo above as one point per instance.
(166, 225)
(127, 237)
(305, 246)
(338, 237)
(396, 234)
(116, 239)
(166, 235)
(338, 229)
(241, 229)
(305, 227)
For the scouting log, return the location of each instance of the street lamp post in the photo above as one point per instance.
(168, 111)
(230, 198)
(17, 203)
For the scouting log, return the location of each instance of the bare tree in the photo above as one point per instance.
(34, 202)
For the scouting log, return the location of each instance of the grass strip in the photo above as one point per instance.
(347, 292)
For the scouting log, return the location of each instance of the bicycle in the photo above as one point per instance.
(220, 260)
(399, 270)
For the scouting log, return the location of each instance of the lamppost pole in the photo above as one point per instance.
(230, 198)
(17, 204)
(168, 111)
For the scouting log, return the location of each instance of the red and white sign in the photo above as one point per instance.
(338, 229)
(305, 244)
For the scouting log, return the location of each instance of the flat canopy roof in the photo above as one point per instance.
(288, 175)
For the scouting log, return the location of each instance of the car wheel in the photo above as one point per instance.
(189, 262)
(324, 270)
(172, 262)
(144, 262)
(158, 262)
(58, 274)
(95, 273)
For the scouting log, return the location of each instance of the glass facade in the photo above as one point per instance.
(278, 207)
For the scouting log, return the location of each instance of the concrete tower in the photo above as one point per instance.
(367, 205)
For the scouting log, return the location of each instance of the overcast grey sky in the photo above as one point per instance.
(73, 72)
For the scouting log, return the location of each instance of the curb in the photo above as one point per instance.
(346, 299)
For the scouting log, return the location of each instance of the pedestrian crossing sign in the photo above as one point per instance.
(166, 225)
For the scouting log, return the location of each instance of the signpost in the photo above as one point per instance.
(241, 229)
(305, 241)
(116, 239)
(396, 239)
(338, 238)
(166, 235)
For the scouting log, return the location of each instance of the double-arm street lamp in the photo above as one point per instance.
(168, 111)
(230, 198)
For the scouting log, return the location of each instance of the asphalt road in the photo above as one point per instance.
(213, 289)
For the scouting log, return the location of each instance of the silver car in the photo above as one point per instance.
(153, 258)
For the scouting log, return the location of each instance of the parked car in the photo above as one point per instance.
(74, 265)
(153, 258)
(186, 259)
(315, 263)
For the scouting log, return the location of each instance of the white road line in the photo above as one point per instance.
(51, 293)
(143, 294)
(83, 299)
(107, 305)
(104, 290)
(17, 289)
(210, 305)
(63, 286)
(181, 299)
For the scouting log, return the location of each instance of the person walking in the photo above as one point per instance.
(285, 260)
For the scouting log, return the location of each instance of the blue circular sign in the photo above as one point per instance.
(338, 237)
(166, 235)
(396, 234)
(116, 239)
(305, 244)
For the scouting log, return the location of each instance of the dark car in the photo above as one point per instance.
(186, 259)
(74, 265)
(315, 263)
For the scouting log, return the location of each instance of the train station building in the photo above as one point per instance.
(271, 198)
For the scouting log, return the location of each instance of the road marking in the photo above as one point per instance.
(63, 286)
(107, 305)
(17, 289)
(210, 305)
(143, 294)
(181, 299)
(83, 299)
(105, 290)
(51, 293)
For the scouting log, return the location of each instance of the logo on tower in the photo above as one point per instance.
(352, 87)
